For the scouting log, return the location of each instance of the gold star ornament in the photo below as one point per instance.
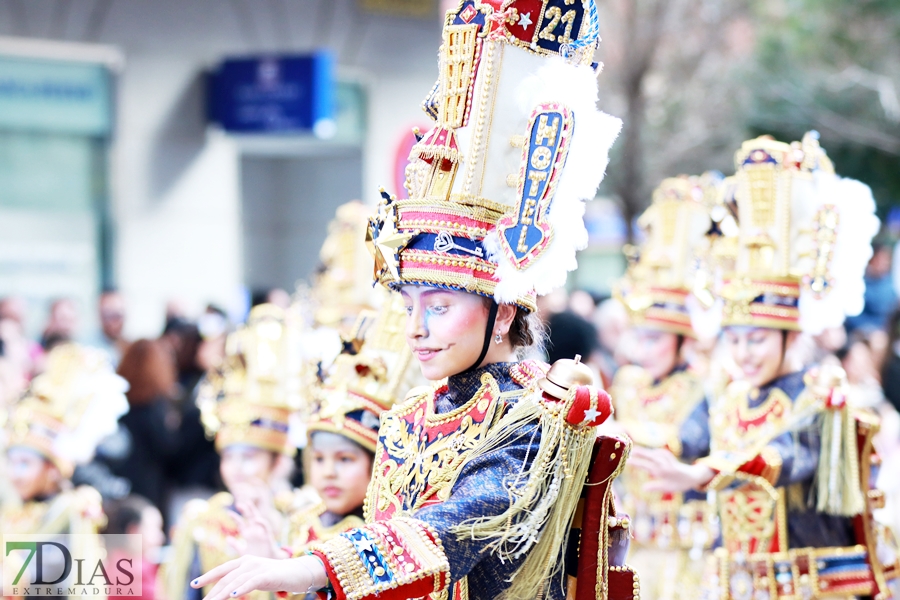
(385, 242)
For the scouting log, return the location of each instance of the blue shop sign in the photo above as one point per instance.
(274, 94)
(54, 96)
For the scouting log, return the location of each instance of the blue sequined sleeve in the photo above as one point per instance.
(694, 433)
(483, 489)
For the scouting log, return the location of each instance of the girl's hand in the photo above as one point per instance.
(667, 473)
(256, 533)
(243, 575)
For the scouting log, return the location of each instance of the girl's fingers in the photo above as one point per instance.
(222, 590)
(658, 485)
(251, 584)
(642, 464)
(640, 452)
(216, 574)
(239, 519)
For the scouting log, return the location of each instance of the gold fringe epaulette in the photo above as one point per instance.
(545, 498)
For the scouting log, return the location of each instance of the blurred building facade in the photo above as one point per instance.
(156, 201)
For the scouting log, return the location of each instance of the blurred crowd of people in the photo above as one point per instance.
(160, 453)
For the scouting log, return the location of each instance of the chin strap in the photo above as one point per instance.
(492, 319)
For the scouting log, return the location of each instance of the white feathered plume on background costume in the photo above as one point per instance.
(70, 407)
(793, 247)
(98, 400)
(857, 225)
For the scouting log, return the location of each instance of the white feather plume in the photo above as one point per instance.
(574, 86)
(857, 225)
(98, 402)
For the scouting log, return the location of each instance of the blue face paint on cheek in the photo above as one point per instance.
(427, 321)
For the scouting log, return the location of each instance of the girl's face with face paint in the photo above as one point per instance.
(339, 470)
(31, 474)
(757, 351)
(656, 351)
(445, 329)
(245, 465)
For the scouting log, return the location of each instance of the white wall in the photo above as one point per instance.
(176, 203)
(287, 205)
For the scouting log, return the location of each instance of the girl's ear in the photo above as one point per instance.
(506, 313)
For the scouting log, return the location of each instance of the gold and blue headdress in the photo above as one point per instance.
(250, 398)
(496, 187)
(367, 378)
(665, 268)
(803, 239)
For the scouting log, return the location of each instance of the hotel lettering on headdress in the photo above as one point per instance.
(543, 159)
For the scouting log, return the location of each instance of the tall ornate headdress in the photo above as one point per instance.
(70, 407)
(663, 271)
(367, 378)
(804, 239)
(341, 289)
(496, 187)
(250, 398)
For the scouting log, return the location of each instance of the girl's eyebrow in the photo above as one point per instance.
(432, 292)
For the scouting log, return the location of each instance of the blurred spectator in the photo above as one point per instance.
(150, 424)
(182, 338)
(862, 371)
(12, 380)
(13, 308)
(611, 321)
(175, 309)
(570, 334)
(880, 298)
(583, 304)
(276, 296)
(135, 515)
(21, 359)
(890, 369)
(214, 327)
(26, 354)
(111, 309)
(62, 323)
(195, 467)
(552, 303)
(112, 321)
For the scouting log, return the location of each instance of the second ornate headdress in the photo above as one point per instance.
(666, 266)
(803, 240)
(250, 398)
(496, 187)
(367, 378)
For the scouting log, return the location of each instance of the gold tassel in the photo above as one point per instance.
(838, 485)
(538, 521)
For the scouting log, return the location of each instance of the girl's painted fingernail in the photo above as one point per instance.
(194, 582)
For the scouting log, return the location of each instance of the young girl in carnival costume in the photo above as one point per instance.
(362, 384)
(247, 404)
(656, 393)
(67, 411)
(478, 478)
(786, 450)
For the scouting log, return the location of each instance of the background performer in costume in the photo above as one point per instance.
(477, 478)
(787, 452)
(362, 384)
(64, 415)
(657, 392)
(247, 404)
